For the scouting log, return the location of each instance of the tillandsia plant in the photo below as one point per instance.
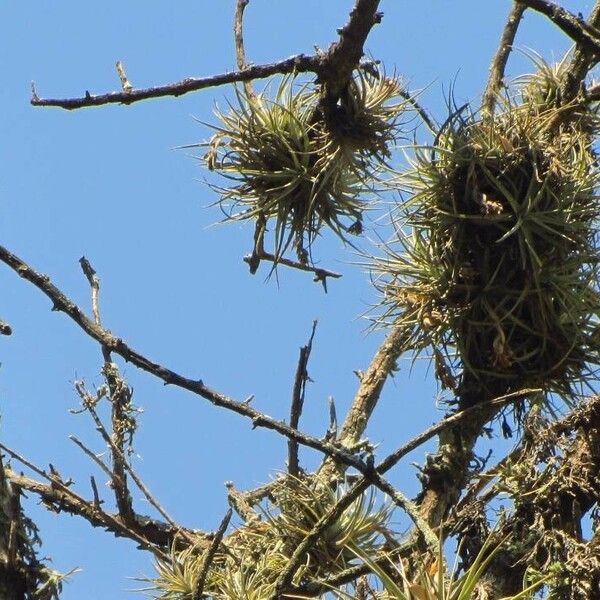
(250, 559)
(292, 167)
(433, 580)
(495, 262)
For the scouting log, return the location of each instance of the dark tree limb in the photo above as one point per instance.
(333, 68)
(298, 394)
(57, 496)
(210, 555)
(295, 64)
(583, 60)
(344, 55)
(321, 275)
(583, 34)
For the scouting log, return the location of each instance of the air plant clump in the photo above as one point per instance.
(250, 559)
(292, 167)
(496, 258)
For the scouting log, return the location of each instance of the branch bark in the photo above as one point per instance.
(500, 59)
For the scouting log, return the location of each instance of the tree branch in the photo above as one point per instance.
(367, 396)
(299, 63)
(115, 344)
(259, 254)
(583, 34)
(150, 534)
(500, 59)
(333, 68)
(298, 401)
(210, 555)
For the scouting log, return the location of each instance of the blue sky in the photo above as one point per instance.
(109, 184)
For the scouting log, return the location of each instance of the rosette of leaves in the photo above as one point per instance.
(495, 262)
(293, 169)
(249, 560)
(431, 579)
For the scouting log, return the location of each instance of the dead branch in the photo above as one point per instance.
(583, 34)
(238, 32)
(583, 60)
(115, 344)
(298, 401)
(299, 63)
(150, 534)
(321, 275)
(333, 68)
(210, 555)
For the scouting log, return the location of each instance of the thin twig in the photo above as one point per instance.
(120, 395)
(92, 455)
(321, 275)
(60, 497)
(117, 451)
(97, 501)
(387, 463)
(298, 401)
(410, 508)
(210, 555)
(421, 111)
(500, 59)
(94, 282)
(240, 52)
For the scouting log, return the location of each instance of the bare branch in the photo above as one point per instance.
(500, 59)
(585, 35)
(92, 455)
(387, 463)
(58, 496)
(583, 60)
(210, 555)
(333, 68)
(299, 63)
(115, 344)
(369, 391)
(122, 494)
(321, 275)
(298, 401)
(238, 31)
(94, 282)
(421, 111)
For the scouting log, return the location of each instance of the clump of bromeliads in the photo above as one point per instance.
(495, 263)
(295, 168)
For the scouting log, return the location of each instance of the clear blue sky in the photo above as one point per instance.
(107, 183)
